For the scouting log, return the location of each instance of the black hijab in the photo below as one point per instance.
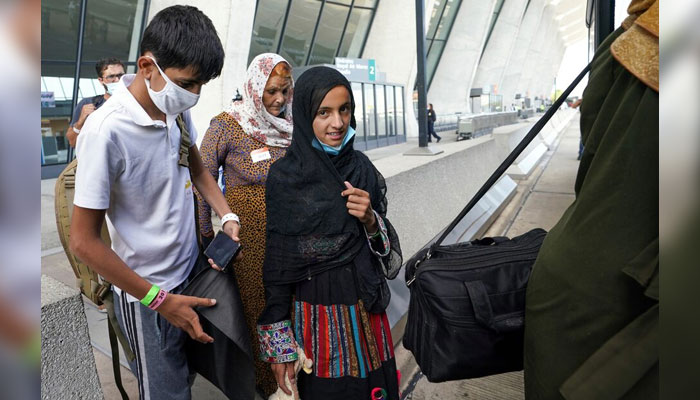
(309, 229)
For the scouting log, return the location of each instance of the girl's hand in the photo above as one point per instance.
(360, 206)
(279, 370)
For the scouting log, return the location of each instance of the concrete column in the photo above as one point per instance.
(534, 54)
(500, 47)
(549, 67)
(454, 76)
(514, 70)
(391, 41)
(233, 20)
(542, 79)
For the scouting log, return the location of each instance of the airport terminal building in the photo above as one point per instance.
(482, 56)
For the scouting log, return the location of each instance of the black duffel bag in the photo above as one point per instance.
(467, 309)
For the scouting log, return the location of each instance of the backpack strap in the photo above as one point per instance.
(112, 330)
(185, 142)
(116, 336)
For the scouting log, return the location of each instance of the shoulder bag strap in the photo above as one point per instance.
(511, 157)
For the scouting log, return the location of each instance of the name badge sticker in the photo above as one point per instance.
(260, 155)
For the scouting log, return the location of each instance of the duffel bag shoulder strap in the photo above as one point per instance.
(534, 131)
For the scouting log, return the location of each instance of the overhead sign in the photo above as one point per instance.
(357, 69)
(48, 100)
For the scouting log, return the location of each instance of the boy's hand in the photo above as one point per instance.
(178, 310)
(232, 228)
(279, 370)
(360, 206)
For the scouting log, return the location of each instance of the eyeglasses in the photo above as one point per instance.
(114, 77)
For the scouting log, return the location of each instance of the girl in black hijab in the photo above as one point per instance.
(329, 248)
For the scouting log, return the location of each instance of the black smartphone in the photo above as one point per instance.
(222, 250)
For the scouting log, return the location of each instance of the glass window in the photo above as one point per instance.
(328, 36)
(442, 17)
(268, 27)
(432, 59)
(112, 29)
(355, 33)
(55, 117)
(448, 17)
(359, 111)
(54, 85)
(492, 24)
(435, 15)
(59, 81)
(390, 111)
(297, 35)
(89, 88)
(370, 128)
(381, 111)
(296, 40)
(60, 21)
(366, 3)
(399, 111)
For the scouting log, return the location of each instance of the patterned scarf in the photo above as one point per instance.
(250, 113)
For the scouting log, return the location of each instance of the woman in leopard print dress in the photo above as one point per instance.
(246, 140)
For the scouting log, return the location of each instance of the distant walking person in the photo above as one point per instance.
(431, 124)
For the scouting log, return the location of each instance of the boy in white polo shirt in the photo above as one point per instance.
(129, 168)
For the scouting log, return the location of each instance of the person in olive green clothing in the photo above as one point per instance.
(592, 312)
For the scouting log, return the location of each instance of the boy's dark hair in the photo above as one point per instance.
(103, 63)
(181, 37)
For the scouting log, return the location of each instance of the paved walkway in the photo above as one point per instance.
(539, 202)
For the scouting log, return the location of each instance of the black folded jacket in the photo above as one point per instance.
(228, 362)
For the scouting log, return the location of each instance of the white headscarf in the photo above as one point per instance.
(251, 114)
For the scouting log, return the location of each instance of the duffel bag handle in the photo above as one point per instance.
(490, 241)
(480, 301)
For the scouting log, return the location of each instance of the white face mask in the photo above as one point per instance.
(172, 99)
(111, 87)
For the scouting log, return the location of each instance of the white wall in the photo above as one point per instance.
(550, 60)
(500, 47)
(516, 64)
(534, 54)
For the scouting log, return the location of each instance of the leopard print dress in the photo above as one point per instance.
(226, 144)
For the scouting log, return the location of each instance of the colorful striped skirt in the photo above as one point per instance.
(352, 351)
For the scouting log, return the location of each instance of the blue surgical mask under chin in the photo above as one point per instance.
(333, 150)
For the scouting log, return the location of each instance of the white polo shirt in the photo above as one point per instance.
(128, 165)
